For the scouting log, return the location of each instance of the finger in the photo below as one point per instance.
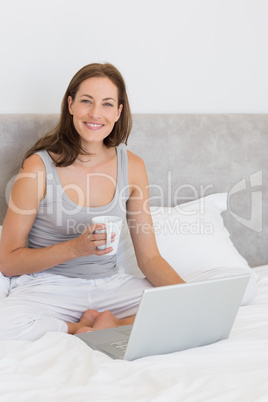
(100, 239)
(103, 252)
(97, 244)
(96, 226)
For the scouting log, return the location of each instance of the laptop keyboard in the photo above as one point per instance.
(120, 345)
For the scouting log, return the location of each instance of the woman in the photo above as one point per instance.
(60, 281)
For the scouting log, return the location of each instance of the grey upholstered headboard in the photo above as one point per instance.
(186, 156)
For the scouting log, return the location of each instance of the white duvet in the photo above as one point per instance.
(60, 367)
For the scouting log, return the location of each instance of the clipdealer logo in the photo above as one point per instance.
(254, 221)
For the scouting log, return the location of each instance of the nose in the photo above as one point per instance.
(95, 111)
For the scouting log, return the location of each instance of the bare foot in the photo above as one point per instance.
(89, 317)
(106, 320)
(86, 321)
(93, 320)
(101, 321)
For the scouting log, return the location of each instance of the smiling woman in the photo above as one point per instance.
(51, 250)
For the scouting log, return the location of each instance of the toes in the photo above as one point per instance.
(106, 320)
(83, 330)
(89, 317)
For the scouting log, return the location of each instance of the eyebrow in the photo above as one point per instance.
(91, 97)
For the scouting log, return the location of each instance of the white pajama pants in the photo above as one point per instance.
(31, 305)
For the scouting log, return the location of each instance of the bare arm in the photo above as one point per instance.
(27, 192)
(153, 266)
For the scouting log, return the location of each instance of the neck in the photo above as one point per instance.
(97, 153)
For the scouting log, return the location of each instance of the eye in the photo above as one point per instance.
(108, 104)
(85, 101)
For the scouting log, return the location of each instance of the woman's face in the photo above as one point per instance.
(95, 109)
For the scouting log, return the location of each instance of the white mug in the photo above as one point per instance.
(113, 224)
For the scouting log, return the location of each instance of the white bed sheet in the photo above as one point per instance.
(60, 367)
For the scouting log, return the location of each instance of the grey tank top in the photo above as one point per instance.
(59, 219)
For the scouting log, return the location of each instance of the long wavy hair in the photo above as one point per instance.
(64, 140)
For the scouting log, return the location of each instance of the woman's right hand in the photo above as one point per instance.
(87, 243)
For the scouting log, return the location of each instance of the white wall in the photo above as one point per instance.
(177, 56)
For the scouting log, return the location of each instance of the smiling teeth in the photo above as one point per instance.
(94, 125)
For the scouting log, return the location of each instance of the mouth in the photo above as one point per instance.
(94, 126)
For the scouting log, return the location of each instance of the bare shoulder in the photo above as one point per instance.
(33, 164)
(134, 161)
(136, 169)
(32, 175)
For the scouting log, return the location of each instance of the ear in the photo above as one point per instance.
(119, 112)
(70, 104)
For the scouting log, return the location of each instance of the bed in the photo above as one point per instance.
(208, 196)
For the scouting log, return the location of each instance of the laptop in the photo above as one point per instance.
(174, 318)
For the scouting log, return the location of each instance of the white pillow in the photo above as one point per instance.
(194, 241)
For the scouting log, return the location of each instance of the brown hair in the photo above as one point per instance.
(64, 140)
